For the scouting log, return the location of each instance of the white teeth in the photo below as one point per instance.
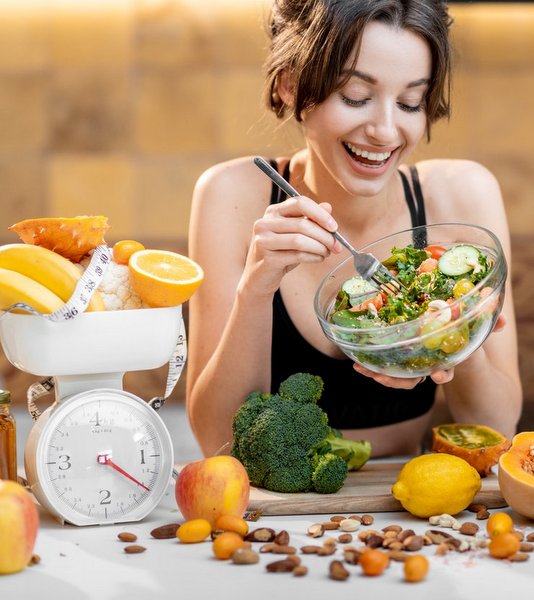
(377, 156)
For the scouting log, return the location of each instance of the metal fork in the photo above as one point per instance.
(366, 265)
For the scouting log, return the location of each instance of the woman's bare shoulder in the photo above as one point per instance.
(457, 188)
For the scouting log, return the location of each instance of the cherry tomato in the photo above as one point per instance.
(435, 251)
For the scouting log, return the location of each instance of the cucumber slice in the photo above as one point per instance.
(358, 290)
(459, 260)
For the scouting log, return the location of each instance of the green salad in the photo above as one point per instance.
(437, 284)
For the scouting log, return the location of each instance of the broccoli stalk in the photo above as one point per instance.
(285, 443)
(354, 453)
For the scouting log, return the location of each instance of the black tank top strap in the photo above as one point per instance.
(277, 195)
(409, 199)
(416, 205)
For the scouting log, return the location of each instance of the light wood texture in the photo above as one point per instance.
(365, 491)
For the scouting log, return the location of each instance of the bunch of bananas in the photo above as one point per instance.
(39, 277)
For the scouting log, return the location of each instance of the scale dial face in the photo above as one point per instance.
(103, 456)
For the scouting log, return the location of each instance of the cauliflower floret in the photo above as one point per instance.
(116, 289)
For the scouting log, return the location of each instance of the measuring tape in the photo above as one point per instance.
(76, 305)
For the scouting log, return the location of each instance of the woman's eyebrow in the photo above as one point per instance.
(372, 80)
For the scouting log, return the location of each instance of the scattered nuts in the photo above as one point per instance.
(310, 549)
(245, 556)
(134, 549)
(262, 534)
(476, 507)
(282, 538)
(345, 538)
(519, 557)
(329, 525)
(367, 519)
(300, 571)
(125, 536)
(404, 534)
(352, 555)
(374, 540)
(349, 525)
(444, 520)
(165, 532)
(438, 537)
(277, 549)
(35, 559)
(326, 550)
(329, 542)
(526, 547)
(394, 528)
(468, 528)
(530, 537)
(398, 556)
(281, 566)
(337, 571)
(337, 518)
(413, 543)
(315, 530)
(482, 514)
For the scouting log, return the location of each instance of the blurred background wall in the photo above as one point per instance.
(115, 107)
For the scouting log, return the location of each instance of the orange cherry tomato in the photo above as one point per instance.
(498, 523)
(435, 251)
(124, 249)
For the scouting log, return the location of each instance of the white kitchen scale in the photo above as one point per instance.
(98, 455)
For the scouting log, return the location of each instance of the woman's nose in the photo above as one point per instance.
(381, 126)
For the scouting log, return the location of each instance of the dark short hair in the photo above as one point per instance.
(313, 40)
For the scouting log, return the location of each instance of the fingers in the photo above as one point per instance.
(407, 383)
(300, 206)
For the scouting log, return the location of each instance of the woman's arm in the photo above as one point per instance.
(486, 388)
(245, 247)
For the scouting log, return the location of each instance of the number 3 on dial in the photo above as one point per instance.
(102, 456)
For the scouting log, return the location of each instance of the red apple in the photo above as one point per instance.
(208, 488)
(19, 522)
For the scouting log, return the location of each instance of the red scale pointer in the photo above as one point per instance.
(105, 459)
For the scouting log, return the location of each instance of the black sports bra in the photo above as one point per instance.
(351, 400)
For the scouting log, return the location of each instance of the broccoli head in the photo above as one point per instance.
(280, 439)
(329, 474)
(302, 387)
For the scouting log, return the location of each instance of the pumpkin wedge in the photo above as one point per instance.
(516, 474)
(479, 445)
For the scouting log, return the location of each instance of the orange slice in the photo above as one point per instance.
(164, 278)
(71, 237)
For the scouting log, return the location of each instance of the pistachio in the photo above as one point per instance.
(349, 525)
(315, 530)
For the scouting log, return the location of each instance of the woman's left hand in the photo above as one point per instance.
(405, 383)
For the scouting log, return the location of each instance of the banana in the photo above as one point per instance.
(15, 287)
(46, 267)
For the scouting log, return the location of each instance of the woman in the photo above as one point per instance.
(365, 79)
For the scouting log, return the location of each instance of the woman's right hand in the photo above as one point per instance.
(294, 231)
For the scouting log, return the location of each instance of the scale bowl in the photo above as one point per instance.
(95, 342)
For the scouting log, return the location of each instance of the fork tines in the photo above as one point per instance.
(386, 281)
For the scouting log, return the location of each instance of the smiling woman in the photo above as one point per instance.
(366, 80)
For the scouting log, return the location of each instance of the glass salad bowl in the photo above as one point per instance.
(454, 276)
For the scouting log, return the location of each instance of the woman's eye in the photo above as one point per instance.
(353, 102)
(411, 109)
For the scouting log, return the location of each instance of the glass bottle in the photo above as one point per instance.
(8, 438)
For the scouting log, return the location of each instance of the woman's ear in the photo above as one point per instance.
(285, 89)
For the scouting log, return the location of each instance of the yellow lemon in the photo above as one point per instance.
(433, 484)
(164, 278)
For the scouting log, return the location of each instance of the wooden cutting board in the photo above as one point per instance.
(367, 490)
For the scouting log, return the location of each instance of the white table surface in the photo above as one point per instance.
(90, 563)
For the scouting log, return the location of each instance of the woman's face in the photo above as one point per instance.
(363, 131)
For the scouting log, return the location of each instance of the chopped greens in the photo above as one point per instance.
(437, 289)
